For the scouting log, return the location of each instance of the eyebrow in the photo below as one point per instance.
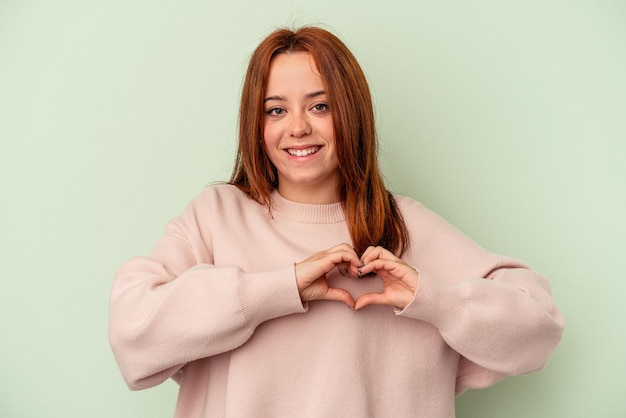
(306, 96)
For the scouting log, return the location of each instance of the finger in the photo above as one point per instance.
(344, 269)
(347, 260)
(350, 269)
(371, 299)
(394, 270)
(390, 266)
(368, 252)
(373, 253)
(347, 263)
(323, 262)
(340, 295)
(345, 251)
(342, 247)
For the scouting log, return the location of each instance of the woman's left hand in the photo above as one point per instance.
(399, 279)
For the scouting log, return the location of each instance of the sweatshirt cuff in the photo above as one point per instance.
(436, 302)
(269, 294)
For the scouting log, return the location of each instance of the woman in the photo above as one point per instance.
(242, 301)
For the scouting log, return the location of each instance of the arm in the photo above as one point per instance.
(503, 324)
(167, 310)
(496, 312)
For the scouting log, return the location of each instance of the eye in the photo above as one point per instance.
(320, 107)
(275, 111)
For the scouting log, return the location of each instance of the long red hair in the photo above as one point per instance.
(371, 212)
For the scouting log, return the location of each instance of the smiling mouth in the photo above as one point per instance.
(302, 152)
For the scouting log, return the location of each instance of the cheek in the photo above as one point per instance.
(329, 131)
(270, 134)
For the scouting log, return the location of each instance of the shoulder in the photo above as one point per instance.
(217, 204)
(221, 198)
(439, 247)
(418, 217)
(408, 205)
(222, 193)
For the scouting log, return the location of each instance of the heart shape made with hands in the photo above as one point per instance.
(399, 280)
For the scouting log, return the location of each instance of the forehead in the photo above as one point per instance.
(293, 68)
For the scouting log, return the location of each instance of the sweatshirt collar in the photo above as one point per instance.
(305, 212)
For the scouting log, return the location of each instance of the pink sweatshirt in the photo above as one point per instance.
(215, 306)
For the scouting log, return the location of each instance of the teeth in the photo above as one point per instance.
(303, 152)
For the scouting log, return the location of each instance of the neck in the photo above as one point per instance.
(310, 195)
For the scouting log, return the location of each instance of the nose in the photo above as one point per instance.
(299, 125)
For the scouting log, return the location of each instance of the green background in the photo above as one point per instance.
(507, 118)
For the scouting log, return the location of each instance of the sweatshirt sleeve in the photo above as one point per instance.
(167, 309)
(494, 311)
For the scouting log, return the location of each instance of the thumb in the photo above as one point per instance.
(371, 299)
(340, 295)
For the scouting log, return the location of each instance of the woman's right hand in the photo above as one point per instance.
(311, 274)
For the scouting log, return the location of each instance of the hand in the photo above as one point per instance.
(399, 279)
(311, 274)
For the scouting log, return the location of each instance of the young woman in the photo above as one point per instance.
(304, 288)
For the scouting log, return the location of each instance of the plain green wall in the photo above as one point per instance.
(507, 118)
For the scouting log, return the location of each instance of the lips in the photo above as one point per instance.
(302, 152)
